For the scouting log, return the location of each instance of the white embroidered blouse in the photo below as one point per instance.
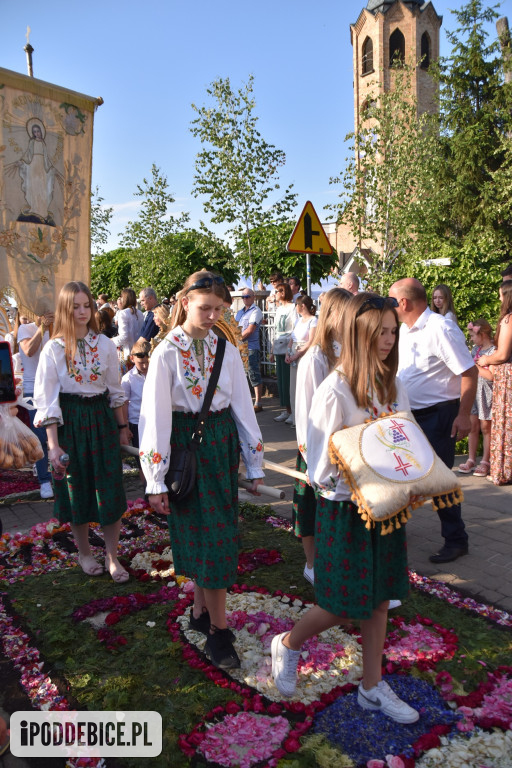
(95, 370)
(175, 382)
(334, 407)
(313, 368)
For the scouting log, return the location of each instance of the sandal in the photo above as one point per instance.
(482, 470)
(89, 565)
(118, 573)
(466, 468)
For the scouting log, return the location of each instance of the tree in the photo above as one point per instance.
(101, 216)
(146, 235)
(181, 254)
(237, 170)
(270, 254)
(382, 183)
(111, 272)
(467, 203)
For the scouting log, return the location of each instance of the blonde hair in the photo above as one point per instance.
(506, 305)
(179, 315)
(65, 320)
(366, 373)
(330, 318)
(447, 300)
(141, 346)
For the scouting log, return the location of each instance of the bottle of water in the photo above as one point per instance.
(58, 476)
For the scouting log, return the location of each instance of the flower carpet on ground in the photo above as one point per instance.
(14, 482)
(72, 641)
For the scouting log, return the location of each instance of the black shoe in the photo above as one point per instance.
(220, 651)
(447, 554)
(203, 623)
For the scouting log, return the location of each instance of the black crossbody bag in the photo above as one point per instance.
(181, 475)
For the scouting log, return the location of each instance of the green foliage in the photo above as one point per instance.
(146, 236)
(110, 272)
(237, 170)
(101, 216)
(180, 254)
(269, 254)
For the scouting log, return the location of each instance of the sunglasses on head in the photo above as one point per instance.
(377, 302)
(205, 282)
(140, 355)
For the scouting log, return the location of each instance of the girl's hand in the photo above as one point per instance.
(271, 358)
(54, 455)
(160, 502)
(125, 436)
(287, 358)
(482, 361)
(254, 488)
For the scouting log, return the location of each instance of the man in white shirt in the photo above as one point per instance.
(440, 377)
(31, 339)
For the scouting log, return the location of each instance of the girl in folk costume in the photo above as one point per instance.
(79, 400)
(317, 363)
(203, 527)
(357, 570)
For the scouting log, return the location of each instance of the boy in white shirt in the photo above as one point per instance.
(133, 384)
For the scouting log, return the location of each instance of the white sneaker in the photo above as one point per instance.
(282, 416)
(394, 604)
(46, 491)
(382, 697)
(309, 574)
(284, 666)
(290, 419)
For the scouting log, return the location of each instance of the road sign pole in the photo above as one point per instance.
(308, 273)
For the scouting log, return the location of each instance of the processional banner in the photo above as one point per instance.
(45, 183)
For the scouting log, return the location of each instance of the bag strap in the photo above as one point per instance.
(210, 391)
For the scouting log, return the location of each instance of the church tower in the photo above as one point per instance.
(385, 30)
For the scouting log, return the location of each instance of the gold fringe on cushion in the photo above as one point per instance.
(402, 515)
(454, 496)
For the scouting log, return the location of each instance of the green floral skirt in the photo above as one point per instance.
(204, 526)
(356, 569)
(92, 491)
(304, 503)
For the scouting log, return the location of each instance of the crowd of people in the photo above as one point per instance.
(100, 378)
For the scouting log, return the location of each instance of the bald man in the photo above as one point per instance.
(350, 282)
(440, 376)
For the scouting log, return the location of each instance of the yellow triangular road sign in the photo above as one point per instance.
(308, 235)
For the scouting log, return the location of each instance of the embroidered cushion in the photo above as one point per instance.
(387, 460)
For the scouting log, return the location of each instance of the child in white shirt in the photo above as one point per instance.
(133, 384)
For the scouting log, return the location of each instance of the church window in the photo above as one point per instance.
(367, 56)
(425, 51)
(396, 48)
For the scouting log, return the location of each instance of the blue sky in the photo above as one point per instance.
(149, 61)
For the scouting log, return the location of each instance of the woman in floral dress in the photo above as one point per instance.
(79, 400)
(500, 472)
(357, 570)
(204, 526)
